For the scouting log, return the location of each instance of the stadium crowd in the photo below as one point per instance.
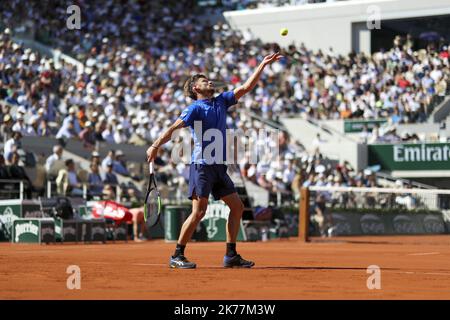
(134, 64)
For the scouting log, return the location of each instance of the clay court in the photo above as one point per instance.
(411, 268)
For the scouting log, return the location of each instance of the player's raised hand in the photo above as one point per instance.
(271, 58)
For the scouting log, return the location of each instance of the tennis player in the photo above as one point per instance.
(209, 175)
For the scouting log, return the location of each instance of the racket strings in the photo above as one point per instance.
(153, 206)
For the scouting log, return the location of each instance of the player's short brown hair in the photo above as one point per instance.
(189, 84)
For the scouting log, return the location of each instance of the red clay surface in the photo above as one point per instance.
(411, 268)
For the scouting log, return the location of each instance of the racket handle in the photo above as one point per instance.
(151, 168)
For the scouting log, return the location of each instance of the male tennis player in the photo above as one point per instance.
(209, 175)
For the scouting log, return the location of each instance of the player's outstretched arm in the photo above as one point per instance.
(253, 80)
(152, 151)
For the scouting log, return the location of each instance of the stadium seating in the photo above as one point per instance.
(131, 82)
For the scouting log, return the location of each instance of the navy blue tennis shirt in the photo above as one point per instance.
(203, 115)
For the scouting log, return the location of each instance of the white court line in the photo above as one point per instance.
(133, 264)
(37, 252)
(419, 273)
(438, 274)
(218, 266)
(423, 254)
(149, 264)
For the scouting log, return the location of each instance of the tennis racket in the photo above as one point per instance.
(152, 205)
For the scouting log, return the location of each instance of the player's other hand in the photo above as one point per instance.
(151, 154)
(271, 58)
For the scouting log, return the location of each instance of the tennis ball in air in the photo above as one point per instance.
(284, 32)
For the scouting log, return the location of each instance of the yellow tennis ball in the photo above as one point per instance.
(284, 32)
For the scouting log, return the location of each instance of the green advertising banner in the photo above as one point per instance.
(86, 210)
(410, 156)
(58, 229)
(352, 126)
(174, 216)
(9, 212)
(215, 221)
(26, 230)
(33, 230)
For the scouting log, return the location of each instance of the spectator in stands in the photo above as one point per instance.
(137, 138)
(110, 157)
(73, 119)
(44, 129)
(108, 133)
(51, 164)
(17, 172)
(110, 177)
(119, 135)
(21, 111)
(120, 166)
(406, 200)
(67, 131)
(20, 125)
(3, 91)
(95, 158)
(12, 99)
(68, 181)
(395, 117)
(81, 116)
(310, 181)
(100, 126)
(109, 192)
(4, 173)
(6, 127)
(32, 129)
(12, 145)
(289, 172)
(87, 135)
(95, 181)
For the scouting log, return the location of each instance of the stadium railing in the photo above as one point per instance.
(9, 188)
(382, 176)
(53, 191)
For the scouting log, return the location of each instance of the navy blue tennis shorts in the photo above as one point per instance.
(205, 179)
